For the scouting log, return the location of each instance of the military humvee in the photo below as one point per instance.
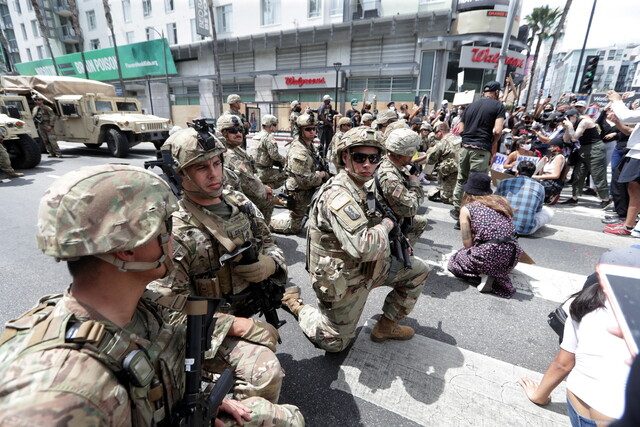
(17, 123)
(90, 113)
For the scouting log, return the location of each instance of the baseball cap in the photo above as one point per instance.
(580, 104)
(326, 97)
(571, 112)
(492, 86)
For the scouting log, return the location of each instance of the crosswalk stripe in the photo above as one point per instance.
(552, 232)
(437, 384)
(541, 282)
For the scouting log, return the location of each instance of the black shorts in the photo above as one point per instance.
(630, 171)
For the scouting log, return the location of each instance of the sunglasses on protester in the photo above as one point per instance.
(234, 130)
(374, 159)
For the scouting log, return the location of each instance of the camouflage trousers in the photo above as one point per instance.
(447, 184)
(49, 143)
(265, 206)
(298, 207)
(265, 413)
(272, 177)
(5, 160)
(419, 224)
(332, 325)
(255, 367)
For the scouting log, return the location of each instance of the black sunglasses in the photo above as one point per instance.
(374, 159)
(310, 129)
(234, 130)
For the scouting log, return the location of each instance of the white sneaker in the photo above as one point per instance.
(635, 233)
(486, 285)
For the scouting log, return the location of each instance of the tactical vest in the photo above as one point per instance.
(214, 280)
(152, 376)
(332, 269)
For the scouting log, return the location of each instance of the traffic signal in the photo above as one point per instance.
(589, 73)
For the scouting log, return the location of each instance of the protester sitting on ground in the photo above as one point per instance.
(491, 249)
(550, 175)
(525, 196)
(592, 358)
(524, 149)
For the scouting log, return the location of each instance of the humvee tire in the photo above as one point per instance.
(25, 153)
(117, 143)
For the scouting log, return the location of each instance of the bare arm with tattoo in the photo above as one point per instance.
(465, 227)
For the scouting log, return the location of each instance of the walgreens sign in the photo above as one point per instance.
(488, 57)
(297, 81)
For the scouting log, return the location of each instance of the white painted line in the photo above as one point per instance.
(53, 176)
(554, 232)
(437, 384)
(541, 282)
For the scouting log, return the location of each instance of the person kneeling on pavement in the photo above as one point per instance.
(349, 255)
(491, 248)
(525, 195)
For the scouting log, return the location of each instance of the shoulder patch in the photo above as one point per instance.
(351, 212)
(339, 202)
(397, 191)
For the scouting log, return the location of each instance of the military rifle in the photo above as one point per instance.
(197, 407)
(262, 298)
(398, 243)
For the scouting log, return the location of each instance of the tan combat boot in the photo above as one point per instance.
(291, 301)
(14, 174)
(388, 329)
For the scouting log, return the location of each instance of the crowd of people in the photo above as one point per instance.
(358, 192)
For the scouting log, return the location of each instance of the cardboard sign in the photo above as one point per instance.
(497, 176)
(500, 159)
(464, 98)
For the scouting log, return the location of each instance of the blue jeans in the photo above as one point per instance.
(576, 419)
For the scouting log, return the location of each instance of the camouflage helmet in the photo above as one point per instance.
(188, 147)
(228, 121)
(400, 124)
(95, 210)
(385, 116)
(345, 121)
(403, 142)
(366, 117)
(306, 120)
(294, 104)
(426, 125)
(362, 136)
(233, 98)
(268, 119)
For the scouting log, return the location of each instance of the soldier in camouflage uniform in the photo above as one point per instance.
(234, 102)
(45, 120)
(384, 119)
(296, 110)
(214, 221)
(445, 158)
(65, 361)
(348, 255)
(396, 187)
(367, 119)
(344, 124)
(267, 155)
(303, 177)
(241, 162)
(5, 160)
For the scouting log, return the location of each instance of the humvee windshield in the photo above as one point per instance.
(126, 106)
(103, 106)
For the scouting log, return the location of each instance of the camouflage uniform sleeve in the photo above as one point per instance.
(435, 153)
(300, 167)
(271, 248)
(272, 148)
(340, 212)
(404, 201)
(52, 116)
(250, 184)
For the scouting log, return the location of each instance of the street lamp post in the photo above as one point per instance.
(337, 66)
(166, 70)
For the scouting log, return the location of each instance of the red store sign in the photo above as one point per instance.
(488, 57)
(299, 81)
(306, 81)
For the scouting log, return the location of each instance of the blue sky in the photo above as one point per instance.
(614, 21)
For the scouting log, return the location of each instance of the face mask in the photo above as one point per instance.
(392, 108)
(527, 147)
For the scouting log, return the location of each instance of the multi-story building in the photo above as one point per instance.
(274, 51)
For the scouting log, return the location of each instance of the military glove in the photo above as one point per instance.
(258, 271)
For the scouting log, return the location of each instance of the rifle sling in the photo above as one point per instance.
(210, 225)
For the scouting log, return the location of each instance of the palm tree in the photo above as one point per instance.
(541, 21)
(557, 34)
(73, 7)
(44, 32)
(107, 15)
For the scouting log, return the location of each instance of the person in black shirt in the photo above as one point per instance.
(325, 116)
(480, 126)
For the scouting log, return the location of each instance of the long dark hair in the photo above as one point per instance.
(587, 300)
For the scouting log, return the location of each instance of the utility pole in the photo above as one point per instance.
(584, 45)
(214, 38)
(511, 17)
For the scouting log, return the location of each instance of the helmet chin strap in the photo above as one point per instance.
(125, 266)
(357, 177)
(200, 191)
